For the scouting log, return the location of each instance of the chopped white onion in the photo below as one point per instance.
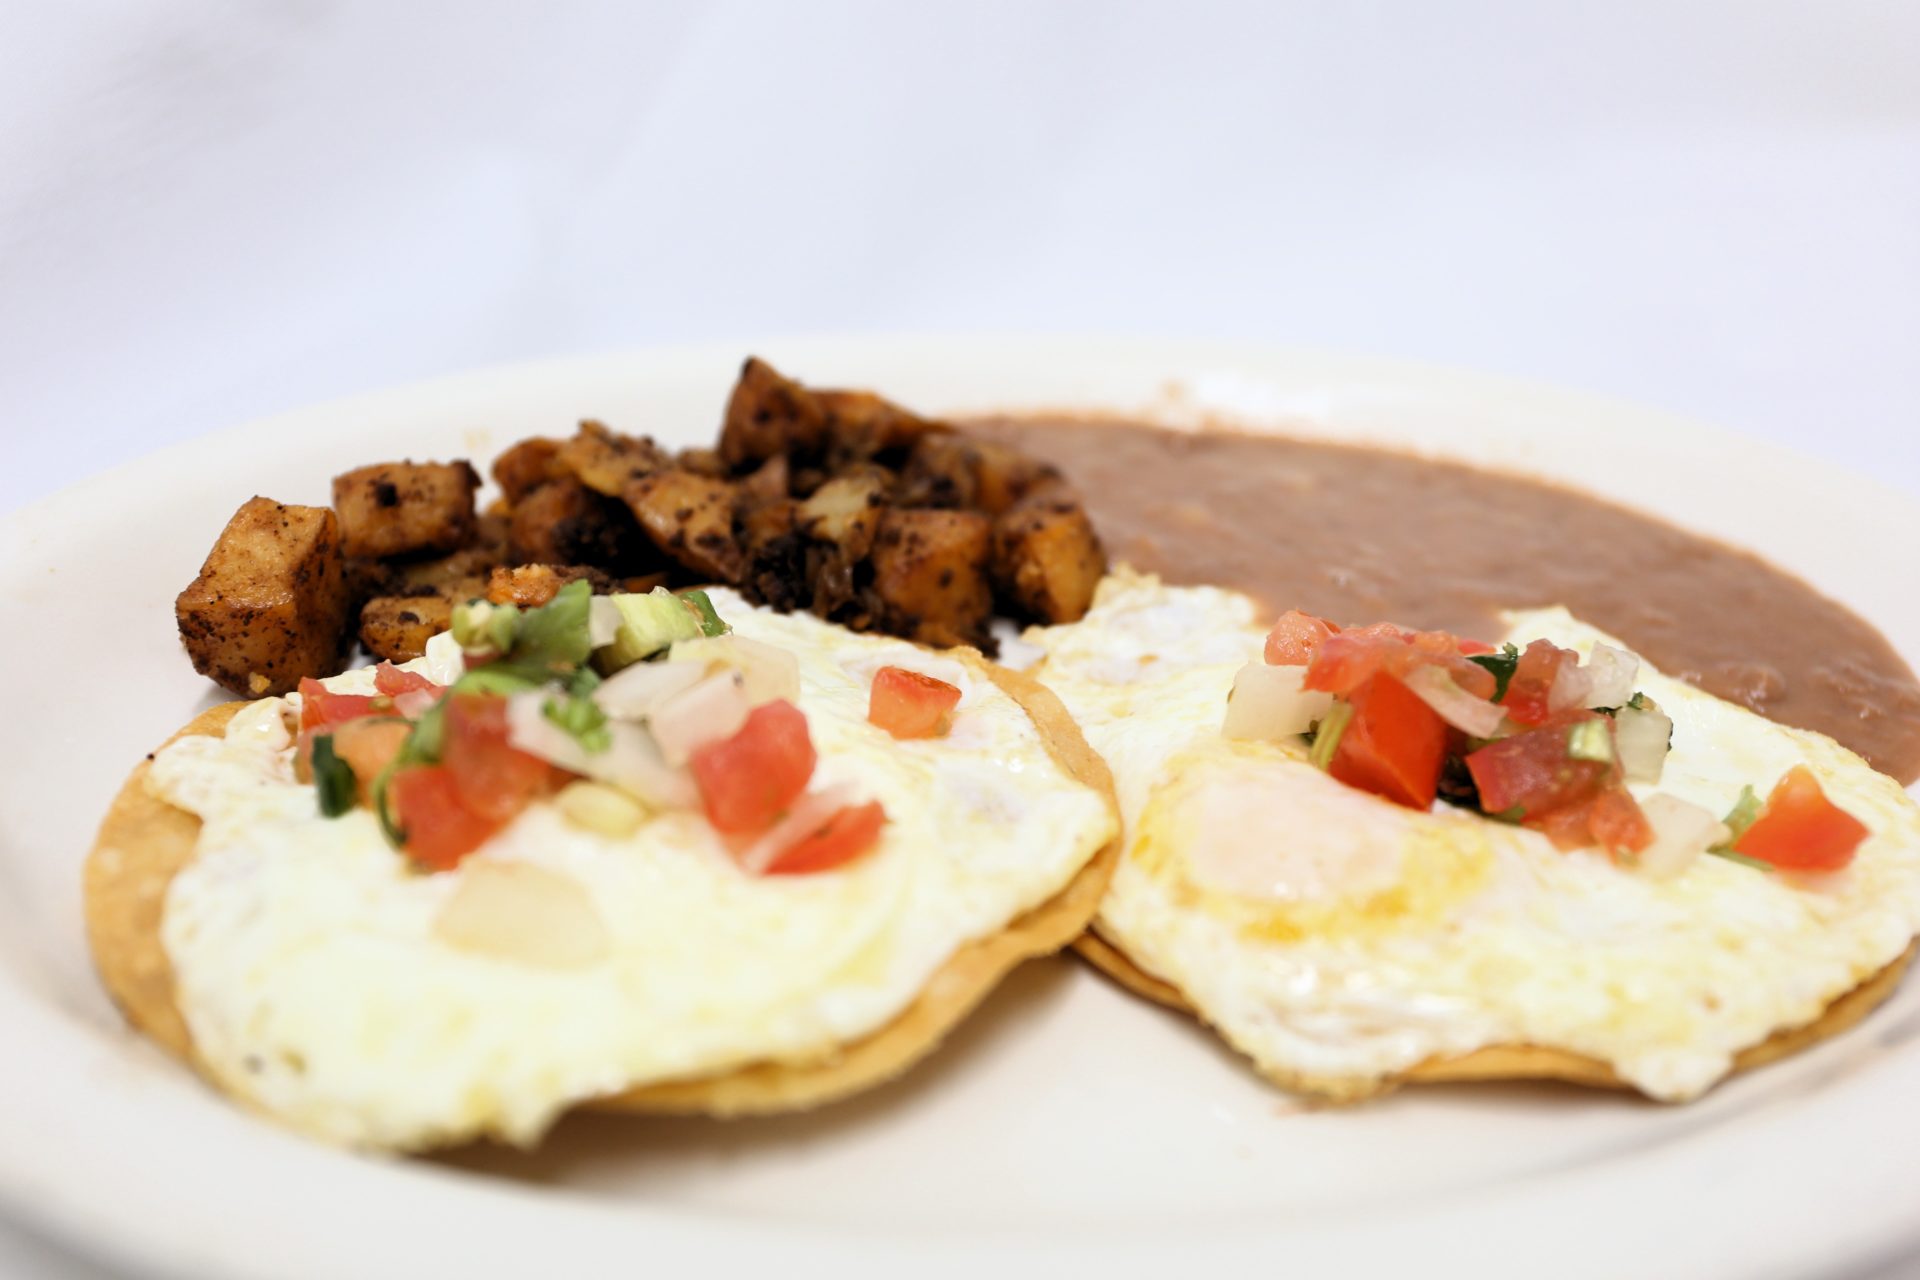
(1642, 735)
(603, 621)
(1268, 704)
(637, 691)
(1610, 676)
(1462, 710)
(1570, 686)
(632, 761)
(772, 673)
(711, 711)
(1681, 833)
(415, 703)
(808, 814)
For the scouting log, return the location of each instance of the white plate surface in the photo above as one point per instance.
(1066, 1125)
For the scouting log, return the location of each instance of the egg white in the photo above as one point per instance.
(310, 975)
(1339, 940)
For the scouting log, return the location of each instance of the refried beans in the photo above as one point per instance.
(1362, 535)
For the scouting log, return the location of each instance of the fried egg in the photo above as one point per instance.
(1341, 941)
(328, 982)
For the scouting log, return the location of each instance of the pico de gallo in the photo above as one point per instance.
(1531, 736)
(615, 707)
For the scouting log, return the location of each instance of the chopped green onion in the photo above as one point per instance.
(1591, 740)
(1721, 851)
(505, 678)
(1742, 815)
(583, 683)
(1516, 815)
(1326, 735)
(582, 719)
(702, 604)
(1501, 664)
(332, 778)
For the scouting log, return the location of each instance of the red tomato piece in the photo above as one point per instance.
(1534, 773)
(908, 704)
(1616, 823)
(321, 707)
(369, 745)
(1470, 648)
(438, 826)
(392, 681)
(844, 836)
(748, 780)
(1799, 829)
(1394, 745)
(1529, 691)
(495, 779)
(1342, 663)
(1294, 638)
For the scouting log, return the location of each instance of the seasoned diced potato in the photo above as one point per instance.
(532, 585)
(607, 461)
(690, 517)
(476, 560)
(862, 426)
(526, 466)
(1047, 560)
(397, 628)
(564, 522)
(271, 601)
(768, 415)
(846, 511)
(930, 575)
(940, 473)
(400, 508)
(776, 555)
(1003, 476)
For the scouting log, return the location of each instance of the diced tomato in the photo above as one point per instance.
(1534, 772)
(1394, 745)
(392, 681)
(369, 745)
(748, 780)
(495, 779)
(1616, 823)
(440, 829)
(1799, 829)
(1470, 648)
(1294, 638)
(320, 706)
(908, 704)
(844, 836)
(1527, 699)
(1343, 662)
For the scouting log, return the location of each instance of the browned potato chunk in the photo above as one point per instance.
(271, 603)
(526, 466)
(846, 511)
(940, 473)
(564, 522)
(607, 461)
(768, 415)
(862, 426)
(776, 555)
(399, 508)
(397, 628)
(1003, 476)
(1047, 560)
(532, 585)
(690, 517)
(930, 575)
(426, 577)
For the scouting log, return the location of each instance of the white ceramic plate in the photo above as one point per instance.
(1066, 1125)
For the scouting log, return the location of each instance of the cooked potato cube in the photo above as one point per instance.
(862, 426)
(532, 585)
(768, 415)
(690, 517)
(940, 473)
(397, 628)
(846, 511)
(400, 508)
(1047, 560)
(526, 466)
(1003, 476)
(607, 461)
(564, 522)
(271, 602)
(776, 555)
(930, 575)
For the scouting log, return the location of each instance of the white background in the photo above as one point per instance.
(212, 211)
